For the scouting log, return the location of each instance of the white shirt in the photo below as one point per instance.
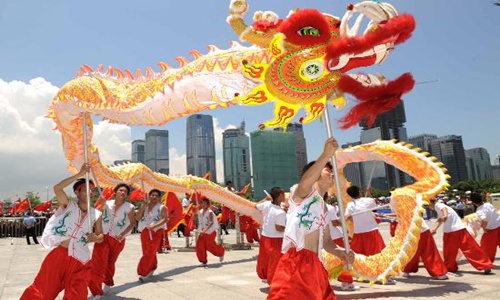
(205, 221)
(114, 221)
(273, 215)
(453, 222)
(424, 227)
(488, 213)
(185, 202)
(363, 222)
(332, 215)
(151, 216)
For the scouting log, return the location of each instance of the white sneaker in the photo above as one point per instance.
(442, 277)
(150, 274)
(142, 278)
(221, 259)
(106, 288)
(406, 275)
(345, 286)
(390, 281)
(204, 266)
(264, 280)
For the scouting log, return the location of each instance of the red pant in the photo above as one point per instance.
(59, 272)
(103, 261)
(461, 239)
(300, 276)
(269, 256)
(345, 275)
(367, 243)
(392, 228)
(490, 241)
(148, 261)
(206, 242)
(427, 250)
(252, 234)
(164, 241)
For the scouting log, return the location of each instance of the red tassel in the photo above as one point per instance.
(374, 100)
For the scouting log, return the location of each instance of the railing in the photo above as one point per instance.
(13, 226)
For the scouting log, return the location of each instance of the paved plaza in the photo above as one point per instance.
(179, 276)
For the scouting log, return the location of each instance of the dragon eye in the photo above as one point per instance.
(308, 31)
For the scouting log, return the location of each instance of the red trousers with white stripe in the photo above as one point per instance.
(490, 241)
(104, 257)
(427, 250)
(461, 239)
(150, 245)
(345, 276)
(269, 256)
(206, 242)
(58, 272)
(300, 276)
(367, 243)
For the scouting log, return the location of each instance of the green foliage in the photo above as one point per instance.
(33, 198)
(481, 186)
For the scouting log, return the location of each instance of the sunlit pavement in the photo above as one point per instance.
(179, 276)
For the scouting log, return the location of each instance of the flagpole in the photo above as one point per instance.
(340, 203)
(86, 161)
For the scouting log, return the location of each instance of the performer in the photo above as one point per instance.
(427, 252)
(300, 273)
(152, 217)
(271, 239)
(457, 237)
(118, 220)
(249, 227)
(345, 278)
(367, 239)
(207, 227)
(490, 222)
(67, 266)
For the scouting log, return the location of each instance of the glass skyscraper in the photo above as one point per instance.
(478, 164)
(200, 146)
(274, 161)
(450, 151)
(300, 144)
(157, 151)
(236, 156)
(139, 151)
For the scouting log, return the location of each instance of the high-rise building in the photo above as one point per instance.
(422, 141)
(300, 144)
(273, 161)
(121, 162)
(157, 156)
(354, 172)
(450, 151)
(387, 126)
(236, 156)
(497, 160)
(478, 164)
(200, 146)
(139, 151)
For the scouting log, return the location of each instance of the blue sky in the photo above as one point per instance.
(456, 43)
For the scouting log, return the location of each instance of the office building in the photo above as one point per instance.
(300, 144)
(387, 126)
(236, 156)
(274, 161)
(422, 141)
(200, 146)
(450, 151)
(157, 156)
(478, 164)
(354, 172)
(139, 151)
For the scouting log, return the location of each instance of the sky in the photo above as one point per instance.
(453, 55)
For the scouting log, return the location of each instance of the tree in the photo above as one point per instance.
(33, 198)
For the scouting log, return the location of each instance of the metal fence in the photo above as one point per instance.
(13, 226)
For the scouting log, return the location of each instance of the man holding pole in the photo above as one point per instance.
(300, 273)
(67, 266)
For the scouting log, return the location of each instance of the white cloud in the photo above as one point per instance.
(177, 162)
(31, 153)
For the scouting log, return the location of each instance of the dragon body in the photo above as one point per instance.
(297, 62)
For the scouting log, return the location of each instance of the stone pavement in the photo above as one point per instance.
(180, 277)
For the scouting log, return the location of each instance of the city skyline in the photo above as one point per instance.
(455, 92)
